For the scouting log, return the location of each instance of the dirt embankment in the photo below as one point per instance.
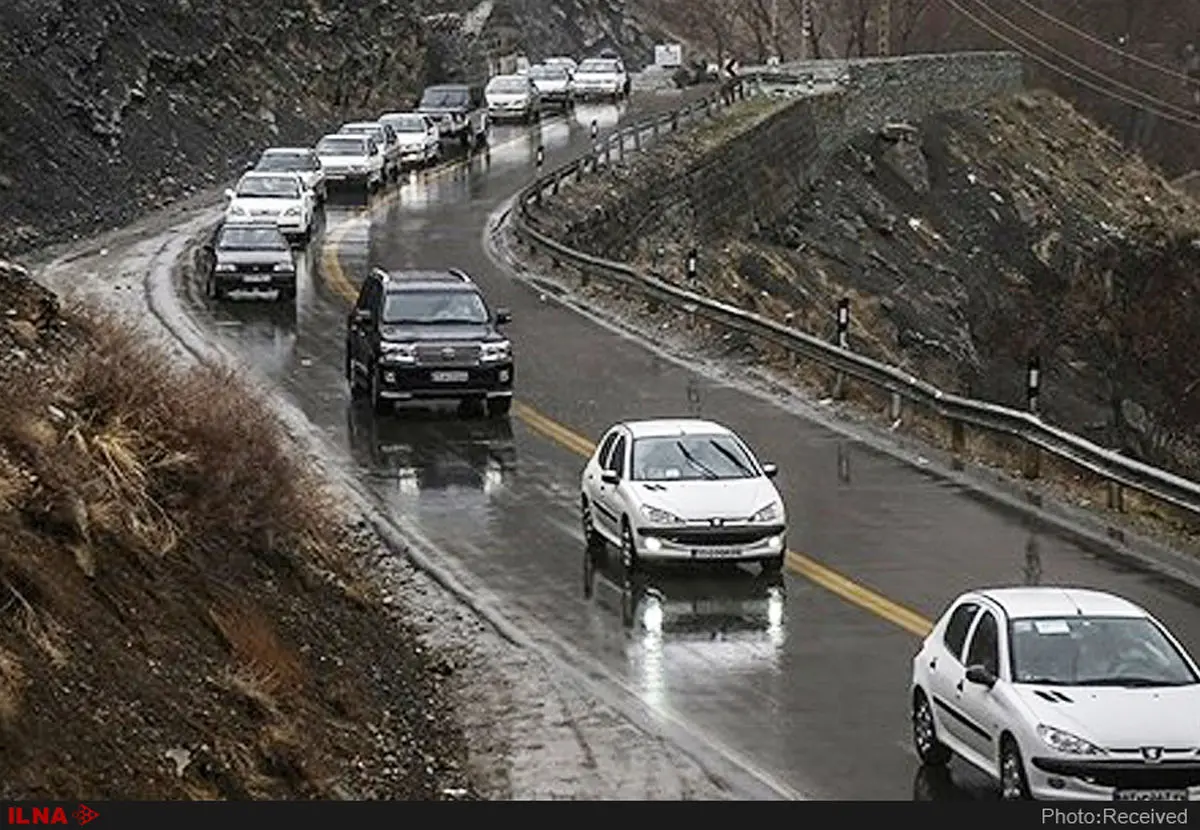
(180, 615)
(967, 244)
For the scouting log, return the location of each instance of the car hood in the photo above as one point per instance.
(343, 161)
(443, 110)
(507, 97)
(269, 205)
(699, 500)
(411, 139)
(407, 334)
(597, 76)
(551, 86)
(254, 256)
(1114, 718)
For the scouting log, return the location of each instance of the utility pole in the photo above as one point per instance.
(805, 28)
(885, 27)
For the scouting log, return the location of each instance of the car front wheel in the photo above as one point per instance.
(379, 403)
(629, 557)
(591, 539)
(1014, 786)
(930, 750)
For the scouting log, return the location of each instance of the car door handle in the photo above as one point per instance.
(933, 664)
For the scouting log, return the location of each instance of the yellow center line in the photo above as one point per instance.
(805, 566)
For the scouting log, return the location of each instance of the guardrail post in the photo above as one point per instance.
(620, 147)
(657, 127)
(558, 180)
(675, 121)
(894, 410)
(1116, 496)
(958, 443)
(538, 159)
(607, 151)
(1033, 388)
(692, 264)
(843, 342)
(637, 139)
(595, 130)
(843, 463)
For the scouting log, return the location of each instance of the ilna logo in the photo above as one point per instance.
(50, 815)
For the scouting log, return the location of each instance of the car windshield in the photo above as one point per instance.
(251, 239)
(362, 129)
(444, 98)
(407, 123)
(435, 307)
(1096, 651)
(272, 187)
(342, 147)
(598, 66)
(690, 458)
(508, 85)
(289, 162)
(548, 73)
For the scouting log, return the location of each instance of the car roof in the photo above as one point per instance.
(448, 86)
(359, 124)
(287, 151)
(664, 427)
(1048, 601)
(512, 76)
(351, 136)
(447, 279)
(270, 174)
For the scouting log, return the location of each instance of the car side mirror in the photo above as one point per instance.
(503, 315)
(229, 194)
(361, 315)
(770, 470)
(981, 676)
(610, 476)
(208, 248)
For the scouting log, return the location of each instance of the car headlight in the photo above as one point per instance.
(236, 210)
(770, 513)
(225, 266)
(1065, 742)
(398, 353)
(284, 266)
(496, 352)
(661, 517)
(292, 211)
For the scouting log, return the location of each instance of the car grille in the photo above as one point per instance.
(255, 267)
(1127, 776)
(448, 354)
(703, 537)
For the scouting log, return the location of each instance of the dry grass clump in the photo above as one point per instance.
(126, 448)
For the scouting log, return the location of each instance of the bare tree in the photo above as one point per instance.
(858, 17)
(911, 14)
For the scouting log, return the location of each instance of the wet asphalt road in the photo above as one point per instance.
(810, 687)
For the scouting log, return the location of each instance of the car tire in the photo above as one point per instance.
(629, 557)
(357, 392)
(287, 293)
(930, 749)
(593, 542)
(379, 404)
(499, 407)
(1014, 784)
(471, 407)
(773, 565)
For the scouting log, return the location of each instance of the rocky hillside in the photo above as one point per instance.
(112, 107)
(181, 615)
(968, 243)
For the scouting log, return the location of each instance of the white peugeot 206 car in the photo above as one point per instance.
(280, 199)
(682, 490)
(1060, 694)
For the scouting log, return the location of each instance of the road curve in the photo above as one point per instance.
(804, 677)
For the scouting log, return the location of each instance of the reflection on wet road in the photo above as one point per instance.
(803, 676)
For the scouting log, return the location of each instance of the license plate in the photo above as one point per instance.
(449, 377)
(1151, 795)
(715, 553)
(256, 278)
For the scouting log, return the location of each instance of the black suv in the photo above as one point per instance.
(246, 257)
(428, 335)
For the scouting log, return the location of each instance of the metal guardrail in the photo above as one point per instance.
(1118, 470)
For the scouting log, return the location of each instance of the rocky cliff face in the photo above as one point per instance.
(114, 106)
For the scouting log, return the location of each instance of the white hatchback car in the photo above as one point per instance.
(682, 490)
(1059, 694)
(280, 199)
